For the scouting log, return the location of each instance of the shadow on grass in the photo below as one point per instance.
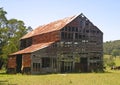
(101, 72)
(105, 72)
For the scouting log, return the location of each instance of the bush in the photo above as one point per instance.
(109, 62)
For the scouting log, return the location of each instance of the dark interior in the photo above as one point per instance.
(83, 63)
(19, 63)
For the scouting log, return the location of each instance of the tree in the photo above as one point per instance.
(3, 30)
(115, 52)
(10, 33)
(111, 47)
(109, 62)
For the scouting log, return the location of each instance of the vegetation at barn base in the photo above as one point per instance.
(10, 32)
(109, 61)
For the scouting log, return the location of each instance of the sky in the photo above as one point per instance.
(105, 14)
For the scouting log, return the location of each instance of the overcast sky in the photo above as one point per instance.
(105, 14)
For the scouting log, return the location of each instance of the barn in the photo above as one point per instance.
(72, 44)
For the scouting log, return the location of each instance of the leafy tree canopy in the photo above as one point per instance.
(112, 48)
(10, 32)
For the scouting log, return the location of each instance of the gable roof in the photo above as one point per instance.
(33, 48)
(53, 26)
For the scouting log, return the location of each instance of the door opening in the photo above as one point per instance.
(84, 64)
(19, 63)
(66, 66)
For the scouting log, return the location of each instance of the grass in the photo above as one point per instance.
(110, 77)
(117, 61)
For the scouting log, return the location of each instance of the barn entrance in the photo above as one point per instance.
(84, 64)
(18, 63)
(66, 66)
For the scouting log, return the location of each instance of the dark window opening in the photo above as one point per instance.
(65, 28)
(69, 29)
(73, 29)
(95, 58)
(83, 36)
(81, 23)
(93, 31)
(36, 66)
(54, 45)
(25, 43)
(65, 35)
(29, 42)
(76, 29)
(45, 62)
(76, 35)
(71, 35)
(68, 35)
(87, 31)
(62, 35)
(80, 36)
(70, 57)
(97, 31)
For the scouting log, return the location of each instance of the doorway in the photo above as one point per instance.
(84, 64)
(18, 63)
(66, 66)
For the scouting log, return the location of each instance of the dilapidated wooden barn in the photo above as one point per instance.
(72, 44)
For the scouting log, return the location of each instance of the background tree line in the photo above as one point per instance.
(112, 48)
(10, 32)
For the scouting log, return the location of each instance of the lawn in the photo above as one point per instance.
(108, 78)
(117, 61)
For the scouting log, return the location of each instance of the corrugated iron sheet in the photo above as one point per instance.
(53, 26)
(33, 48)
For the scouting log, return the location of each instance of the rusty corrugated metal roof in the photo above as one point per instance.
(53, 26)
(33, 48)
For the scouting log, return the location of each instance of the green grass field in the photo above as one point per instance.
(110, 77)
